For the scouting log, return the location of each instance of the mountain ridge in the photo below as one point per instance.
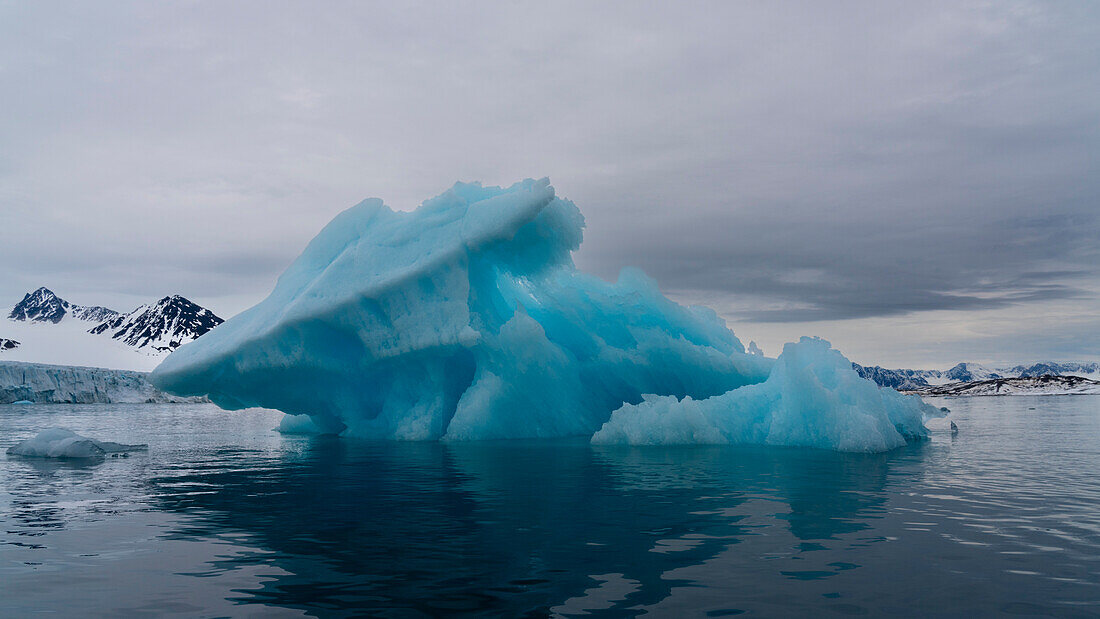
(45, 328)
(43, 305)
(976, 379)
(164, 326)
(1047, 384)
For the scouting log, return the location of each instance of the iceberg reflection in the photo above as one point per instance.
(518, 526)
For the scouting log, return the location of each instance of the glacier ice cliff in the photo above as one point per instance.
(42, 383)
(467, 319)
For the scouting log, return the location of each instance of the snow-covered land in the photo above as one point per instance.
(48, 329)
(69, 343)
(1038, 385)
(42, 383)
(975, 379)
(467, 319)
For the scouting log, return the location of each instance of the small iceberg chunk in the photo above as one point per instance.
(23, 402)
(63, 443)
(812, 398)
(943, 424)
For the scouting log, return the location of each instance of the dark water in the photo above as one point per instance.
(222, 516)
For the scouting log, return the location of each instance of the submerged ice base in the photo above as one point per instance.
(466, 319)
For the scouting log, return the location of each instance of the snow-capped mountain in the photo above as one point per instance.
(1028, 385)
(969, 372)
(44, 328)
(1084, 370)
(902, 380)
(915, 379)
(43, 305)
(976, 379)
(165, 326)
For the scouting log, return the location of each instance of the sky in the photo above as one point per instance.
(919, 183)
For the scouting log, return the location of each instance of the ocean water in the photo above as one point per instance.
(224, 517)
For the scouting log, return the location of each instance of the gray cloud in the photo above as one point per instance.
(790, 163)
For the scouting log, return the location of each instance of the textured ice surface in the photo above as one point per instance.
(62, 443)
(465, 319)
(813, 398)
(298, 424)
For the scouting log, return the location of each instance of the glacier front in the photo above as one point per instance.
(467, 319)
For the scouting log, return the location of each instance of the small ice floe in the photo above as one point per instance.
(62, 443)
(942, 424)
(23, 402)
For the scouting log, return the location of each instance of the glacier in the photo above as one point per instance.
(467, 319)
(41, 383)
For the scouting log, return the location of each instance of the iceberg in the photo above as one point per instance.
(467, 319)
(66, 444)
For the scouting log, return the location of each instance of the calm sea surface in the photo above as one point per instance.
(223, 516)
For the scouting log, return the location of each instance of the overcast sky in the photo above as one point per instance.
(917, 182)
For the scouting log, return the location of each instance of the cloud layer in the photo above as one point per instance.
(801, 165)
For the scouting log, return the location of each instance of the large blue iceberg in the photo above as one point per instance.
(467, 319)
